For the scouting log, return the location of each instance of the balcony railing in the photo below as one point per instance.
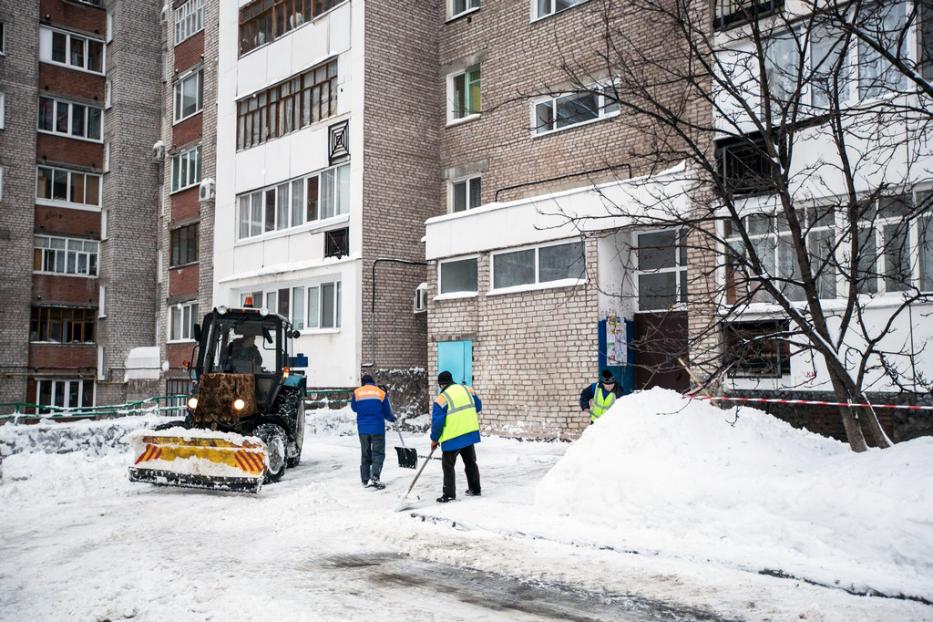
(731, 12)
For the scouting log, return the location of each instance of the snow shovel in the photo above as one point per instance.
(401, 504)
(407, 456)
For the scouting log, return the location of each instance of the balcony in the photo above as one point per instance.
(728, 13)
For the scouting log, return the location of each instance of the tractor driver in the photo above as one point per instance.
(243, 354)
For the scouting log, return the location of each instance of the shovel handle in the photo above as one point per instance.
(407, 492)
(402, 440)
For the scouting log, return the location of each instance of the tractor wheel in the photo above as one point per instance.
(298, 443)
(171, 424)
(275, 439)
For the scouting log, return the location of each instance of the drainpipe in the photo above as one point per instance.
(372, 296)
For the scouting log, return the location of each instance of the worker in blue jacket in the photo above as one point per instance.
(455, 426)
(372, 409)
(598, 397)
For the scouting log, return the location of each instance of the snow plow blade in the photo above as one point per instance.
(198, 459)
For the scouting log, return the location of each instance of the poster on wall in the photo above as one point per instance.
(616, 342)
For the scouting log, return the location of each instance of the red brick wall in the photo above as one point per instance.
(52, 289)
(84, 17)
(65, 221)
(71, 83)
(187, 131)
(185, 205)
(183, 282)
(177, 353)
(189, 52)
(50, 356)
(69, 151)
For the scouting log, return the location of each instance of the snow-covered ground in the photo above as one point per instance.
(79, 541)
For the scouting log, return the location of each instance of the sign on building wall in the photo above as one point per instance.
(616, 341)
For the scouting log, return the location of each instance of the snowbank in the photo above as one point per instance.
(687, 478)
(94, 438)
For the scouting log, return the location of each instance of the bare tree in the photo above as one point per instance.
(799, 138)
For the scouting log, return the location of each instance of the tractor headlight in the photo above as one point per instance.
(239, 404)
(193, 403)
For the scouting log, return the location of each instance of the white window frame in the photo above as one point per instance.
(337, 310)
(109, 37)
(67, 133)
(177, 94)
(189, 20)
(471, 6)
(468, 194)
(678, 268)
(188, 308)
(66, 388)
(537, 284)
(466, 293)
(2, 110)
(452, 118)
(553, 100)
(104, 224)
(62, 255)
(102, 302)
(68, 184)
(536, 14)
(45, 50)
(190, 162)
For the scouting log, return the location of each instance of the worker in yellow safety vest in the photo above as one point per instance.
(455, 427)
(599, 396)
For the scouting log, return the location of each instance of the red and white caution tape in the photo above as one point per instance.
(772, 400)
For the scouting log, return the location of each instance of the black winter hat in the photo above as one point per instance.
(445, 378)
(607, 376)
(367, 379)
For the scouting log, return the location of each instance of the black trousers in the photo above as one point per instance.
(449, 459)
(373, 453)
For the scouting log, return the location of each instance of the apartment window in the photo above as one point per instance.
(57, 116)
(59, 186)
(64, 394)
(744, 165)
(58, 325)
(465, 194)
(925, 225)
(884, 254)
(757, 349)
(556, 113)
(459, 7)
(324, 305)
(337, 243)
(264, 21)
(287, 107)
(57, 255)
(181, 320)
(458, 276)
(298, 316)
(543, 264)
(184, 245)
(64, 48)
(885, 22)
(662, 270)
(463, 93)
(188, 94)
(543, 8)
(728, 12)
(189, 20)
(294, 203)
(186, 169)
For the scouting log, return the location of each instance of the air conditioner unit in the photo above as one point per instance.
(421, 299)
(206, 190)
(158, 151)
(165, 11)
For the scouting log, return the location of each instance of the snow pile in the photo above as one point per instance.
(94, 438)
(330, 422)
(687, 478)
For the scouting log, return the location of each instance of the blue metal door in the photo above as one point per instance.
(457, 358)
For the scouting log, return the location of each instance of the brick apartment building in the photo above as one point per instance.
(79, 90)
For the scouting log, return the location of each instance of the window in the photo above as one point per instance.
(64, 48)
(463, 93)
(557, 113)
(56, 255)
(543, 8)
(179, 386)
(421, 299)
(459, 7)
(298, 316)
(324, 305)
(544, 264)
(70, 119)
(465, 194)
(885, 22)
(58, 325)
(186, 169)
(884, 246)
(925, 224)
(184, 245)
(188, 94)
(294, 203)
(2, 38)
(263, 21)
(64, 394)
(728, 12)
(181, 320)
(189, 19)
(62, 186)
(287, 107)
(337, 243)
(744, 166)
(662, 270)
(458, 276)
(756, 349)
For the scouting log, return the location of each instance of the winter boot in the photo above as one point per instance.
(378, 485)
(473, 493)
(366, 484)
(445, 499)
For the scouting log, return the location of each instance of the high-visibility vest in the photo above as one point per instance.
(601, 402)
(461, 413)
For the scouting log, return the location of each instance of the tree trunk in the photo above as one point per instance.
(849, 420)
(875, 431)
